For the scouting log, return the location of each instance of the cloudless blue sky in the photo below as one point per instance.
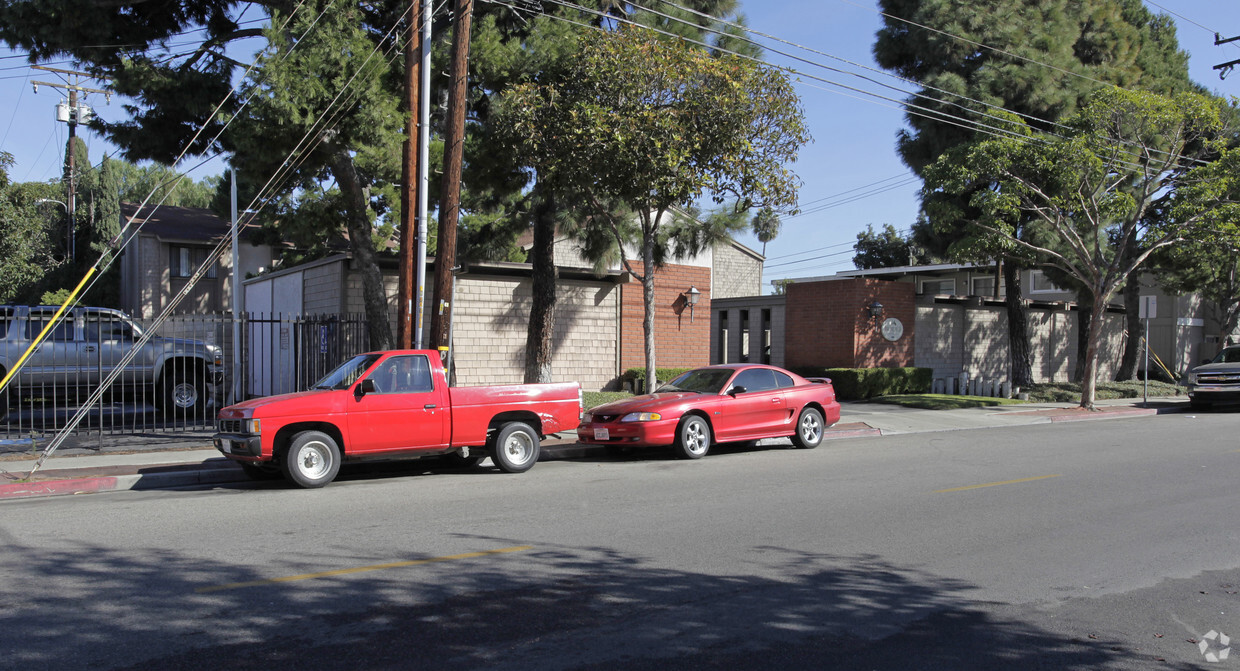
(851, 173)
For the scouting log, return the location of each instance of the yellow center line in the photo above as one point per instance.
(995, 484)
(360, 569)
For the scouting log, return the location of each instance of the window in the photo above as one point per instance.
(784, 380)
(63, 332)
(183, 261)
(756, 379)
(939, 287)
(983, 286)
(1038, 284)
(404, 375)
(104, 326)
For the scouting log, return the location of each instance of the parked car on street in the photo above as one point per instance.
(717, 404)
(393, 404)
(87, 343)
(1217, 381)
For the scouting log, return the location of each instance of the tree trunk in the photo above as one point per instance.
(362, 243)
(1093, 340)
(1018, 327)
(652, 381)
(1084, 322)
(1132, 320)
(538, 348)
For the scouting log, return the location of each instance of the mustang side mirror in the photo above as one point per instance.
(366, 387)
(736, 390)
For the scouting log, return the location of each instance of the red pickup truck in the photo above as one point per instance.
(388, 404)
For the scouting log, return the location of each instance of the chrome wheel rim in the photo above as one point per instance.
(314, 460)
(811, 428)
(185, 394)
(696, 440)
(519, 447)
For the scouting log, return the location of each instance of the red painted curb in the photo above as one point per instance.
(1104, 414)
(58, 487)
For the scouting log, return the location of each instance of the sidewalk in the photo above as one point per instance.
(193, 462)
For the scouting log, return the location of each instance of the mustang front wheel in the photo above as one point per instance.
(692, 438)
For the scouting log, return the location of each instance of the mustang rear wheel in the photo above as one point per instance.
(692, 438)
(809, 429)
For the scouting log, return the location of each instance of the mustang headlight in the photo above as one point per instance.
(586, 418)
(642, 417)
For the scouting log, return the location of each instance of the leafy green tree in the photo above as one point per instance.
(26, 250)
(1091, 190)
(886, 249)
(646, 126)
(1037, 60)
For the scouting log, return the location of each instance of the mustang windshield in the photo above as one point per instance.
(702, 380)
(347, 372)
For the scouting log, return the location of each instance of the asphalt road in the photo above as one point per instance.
(1088, 545)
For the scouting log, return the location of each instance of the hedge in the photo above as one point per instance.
(853, 384)
(635, 378)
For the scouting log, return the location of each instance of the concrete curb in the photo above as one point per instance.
(217, 470)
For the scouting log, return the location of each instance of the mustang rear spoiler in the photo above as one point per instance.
(819, 380)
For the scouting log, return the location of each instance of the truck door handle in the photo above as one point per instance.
(90, 348)
(429, 406)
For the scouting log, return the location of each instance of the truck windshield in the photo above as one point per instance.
(347, 372)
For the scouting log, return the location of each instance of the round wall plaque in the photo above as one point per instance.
(892, 329)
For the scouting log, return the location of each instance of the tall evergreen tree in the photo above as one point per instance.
(1038, 60)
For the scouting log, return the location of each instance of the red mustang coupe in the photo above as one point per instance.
(718, 404)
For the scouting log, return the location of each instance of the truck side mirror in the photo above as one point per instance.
(367, 386)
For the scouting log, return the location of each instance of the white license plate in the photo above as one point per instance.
(602, 434)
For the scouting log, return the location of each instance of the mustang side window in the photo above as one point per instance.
(755, 379)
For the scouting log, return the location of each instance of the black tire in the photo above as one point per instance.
(311, 460)
(516, 448)
(183, 392)
(809, 429)
(455, 460)
(692, 438)
(260, 471)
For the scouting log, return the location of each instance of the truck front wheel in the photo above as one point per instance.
(182, 392)
(516, 448)
(311, 460)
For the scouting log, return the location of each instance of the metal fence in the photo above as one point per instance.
(279, 354)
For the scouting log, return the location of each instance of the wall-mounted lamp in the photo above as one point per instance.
(692, 296)
(876, 311)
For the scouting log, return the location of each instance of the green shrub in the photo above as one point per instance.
(635, 378)
(853, 384)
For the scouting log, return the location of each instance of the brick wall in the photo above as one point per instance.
(828, 324)
(680, 341)
(321, 289)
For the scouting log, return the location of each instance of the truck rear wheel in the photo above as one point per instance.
(311, 460)
(516, 448)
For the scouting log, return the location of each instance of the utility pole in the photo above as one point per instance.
(1225, 68)
(450, 196)
(409, 190)
(72, 114)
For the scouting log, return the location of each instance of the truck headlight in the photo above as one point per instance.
(252, 426)
(1192, 378)
(642, 417)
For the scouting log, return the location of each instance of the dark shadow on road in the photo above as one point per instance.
(541, 608)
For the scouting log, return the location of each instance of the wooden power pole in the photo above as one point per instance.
(450, 196)
(409, 190)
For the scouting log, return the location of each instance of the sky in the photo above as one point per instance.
(851, 174)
